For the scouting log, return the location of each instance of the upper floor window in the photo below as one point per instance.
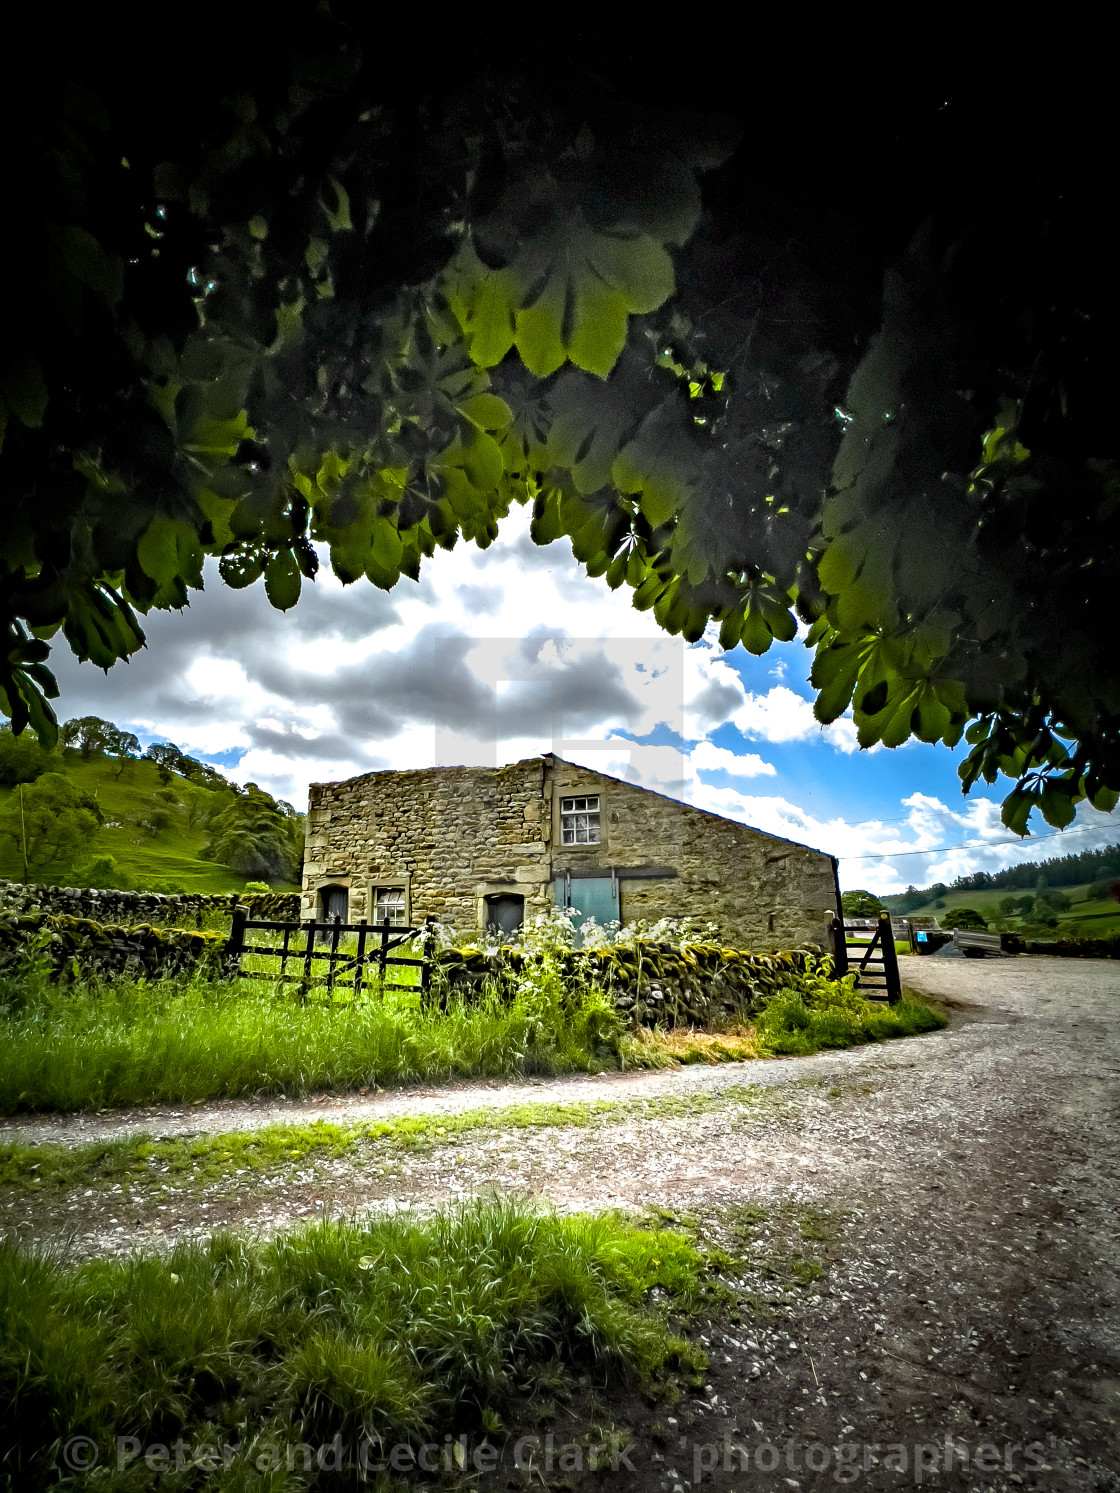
(579, 821)
(388, 904)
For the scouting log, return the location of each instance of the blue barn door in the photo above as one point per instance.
(592, 896)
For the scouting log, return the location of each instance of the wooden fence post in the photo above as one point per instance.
(383, 958)
(426, 954)
(335, 932)
(235, 943)
(890, 958)
(307, 961)
(838, 945)
(360, 961)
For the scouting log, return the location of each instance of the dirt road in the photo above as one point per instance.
(961, 1190)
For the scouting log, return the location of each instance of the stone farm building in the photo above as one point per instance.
(483, 846)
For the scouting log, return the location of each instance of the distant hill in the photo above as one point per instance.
(1075, 870)
(1082, 877)
(155, 830)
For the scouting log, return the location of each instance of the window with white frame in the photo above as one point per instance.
(579, 821)
(388, 904)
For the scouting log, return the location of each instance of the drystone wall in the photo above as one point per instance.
(649, 984)
(108, 905)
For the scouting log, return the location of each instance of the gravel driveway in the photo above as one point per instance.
(970, 1297)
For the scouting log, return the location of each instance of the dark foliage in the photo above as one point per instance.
(286, 292)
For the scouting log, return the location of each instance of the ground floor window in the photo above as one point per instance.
(505, 913)
(334, 902)
(389, 905)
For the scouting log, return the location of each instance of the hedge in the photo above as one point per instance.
(1070, 948)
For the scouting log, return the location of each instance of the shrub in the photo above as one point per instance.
(965, 917)
(22, 759)
(822, 1013)
(102, 871)
(861, 904)
(1054, 898)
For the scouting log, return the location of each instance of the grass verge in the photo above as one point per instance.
(140, 1162)
(101, 1044)
(397, 1332)
(105, 1044)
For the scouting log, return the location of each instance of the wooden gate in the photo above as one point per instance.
(866, 948)
(303, 944)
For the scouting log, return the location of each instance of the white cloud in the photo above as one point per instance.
(783, 715)
(705, 756)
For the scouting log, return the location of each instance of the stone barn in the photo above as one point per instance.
(481, 847)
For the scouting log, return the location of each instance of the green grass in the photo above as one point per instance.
(396, 1330)
(832, 1014)
(174, 855)
(1102, 917)
(107, 1044)
(104, 1044)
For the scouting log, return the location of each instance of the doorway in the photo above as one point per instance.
(505, 913)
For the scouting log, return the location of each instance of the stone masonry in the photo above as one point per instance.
(451, 838)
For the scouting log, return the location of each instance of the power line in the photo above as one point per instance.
(967, 845)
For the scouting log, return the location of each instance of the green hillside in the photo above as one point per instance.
(149, 854)
(1096, 918)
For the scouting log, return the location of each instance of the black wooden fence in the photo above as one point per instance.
(876, 971)
(312, 951)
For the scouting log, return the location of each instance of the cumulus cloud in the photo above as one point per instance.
(783, 715)
(707, 757)
(501, 654)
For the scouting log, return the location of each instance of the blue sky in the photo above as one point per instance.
(503, 653)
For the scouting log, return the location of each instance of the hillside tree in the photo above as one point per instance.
(49, 822)
(257, 836)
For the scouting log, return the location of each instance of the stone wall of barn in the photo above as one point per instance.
(454, 836)
(762, 892)
(449, 835)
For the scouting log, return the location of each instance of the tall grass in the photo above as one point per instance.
(100, 1043)
(822, 1013)
(398, 1331)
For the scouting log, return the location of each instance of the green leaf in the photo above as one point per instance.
(25, 390)
(241, 568)
(834, 674)
(169, 552)
(731, 629)
(756, 634)
(487, 411)
(1017, 808)
(1058, 802)
(282, 580)
(100, 626)
(386, 548)
(100, 272)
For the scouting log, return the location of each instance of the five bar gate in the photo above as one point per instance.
(877, 971)
(320, 941)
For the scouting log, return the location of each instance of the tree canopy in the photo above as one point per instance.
(757, 369)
